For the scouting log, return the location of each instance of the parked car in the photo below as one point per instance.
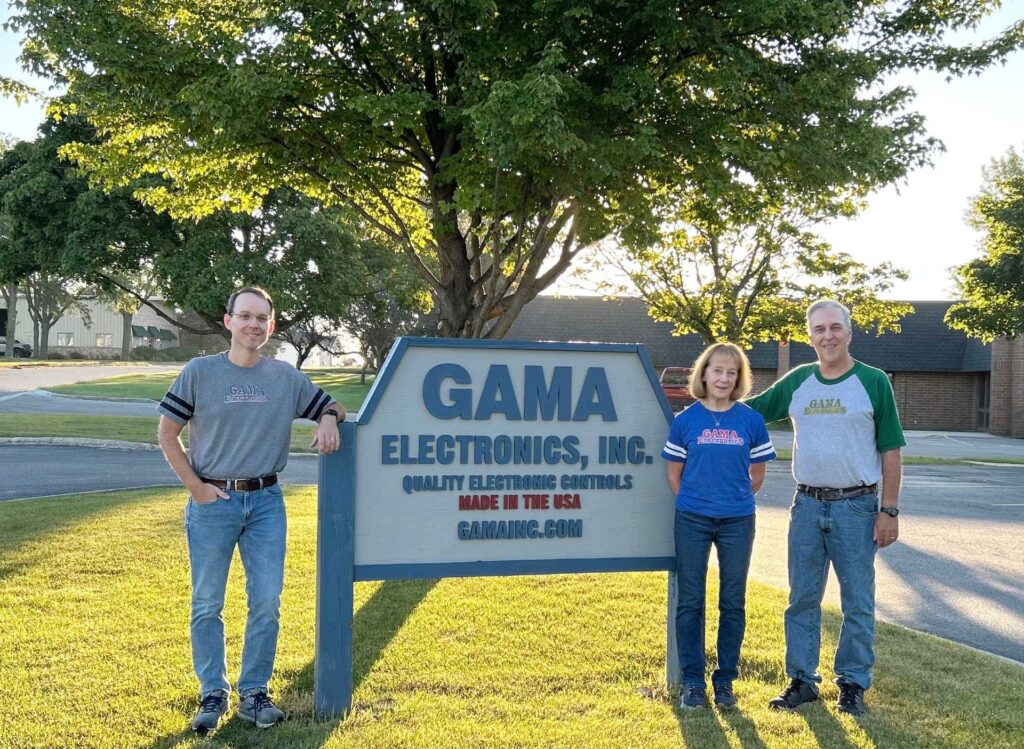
(673, 383)
(21, 350)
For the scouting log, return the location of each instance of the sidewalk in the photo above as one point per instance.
(954, 445)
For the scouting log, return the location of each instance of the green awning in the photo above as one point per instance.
(154, 332)
(139, 331)
(167, 335)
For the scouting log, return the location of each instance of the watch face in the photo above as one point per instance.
(891, 511)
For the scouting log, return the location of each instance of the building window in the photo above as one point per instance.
(104, 339)
(65, 339)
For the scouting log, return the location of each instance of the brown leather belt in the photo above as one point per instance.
(825, 494)
(242, 485)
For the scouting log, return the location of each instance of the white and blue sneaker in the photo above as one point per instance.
(257, 707)
(211, 708)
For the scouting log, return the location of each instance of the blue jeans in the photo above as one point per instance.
(840, 533)
(734, 539)
(255, 522)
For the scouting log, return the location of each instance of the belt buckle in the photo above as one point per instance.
(830, 495)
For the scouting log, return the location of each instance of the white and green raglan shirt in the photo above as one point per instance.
(840, 426)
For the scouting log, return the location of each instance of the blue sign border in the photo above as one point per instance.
(400, 346)
(336, 568)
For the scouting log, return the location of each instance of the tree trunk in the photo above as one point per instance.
(11, 296)
(301, 354)
(35, 339)
(42, 331)
(126, 335)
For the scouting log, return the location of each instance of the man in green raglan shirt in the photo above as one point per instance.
(846, 441)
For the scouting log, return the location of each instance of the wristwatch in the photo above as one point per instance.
(890, 511)
(332, 412)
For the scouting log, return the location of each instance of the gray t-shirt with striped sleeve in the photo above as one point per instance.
(239, 418)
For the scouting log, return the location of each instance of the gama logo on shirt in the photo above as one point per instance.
(824, 406)
(719, 437)
(246, 394)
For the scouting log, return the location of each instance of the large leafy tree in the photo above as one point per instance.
(56, 225)
(310, 257)
(993, 284)
(741, 267)
(492, 140)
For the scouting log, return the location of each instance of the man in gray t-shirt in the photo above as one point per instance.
(239, 408)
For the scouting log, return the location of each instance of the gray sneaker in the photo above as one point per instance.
(211, 708)
(693, 698)
(256, 707)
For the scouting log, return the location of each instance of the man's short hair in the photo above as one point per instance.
(261, 293)
(744, 377)
(843, 311)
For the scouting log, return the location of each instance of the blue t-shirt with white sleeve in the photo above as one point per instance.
(717, 448)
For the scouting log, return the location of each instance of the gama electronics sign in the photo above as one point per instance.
(483, 458)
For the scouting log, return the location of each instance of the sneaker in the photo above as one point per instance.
(723, 695)
(211, 708)
(694, 698)
(797, 693)
(256, 707)
(851, 698)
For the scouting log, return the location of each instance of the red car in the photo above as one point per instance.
(673, 383)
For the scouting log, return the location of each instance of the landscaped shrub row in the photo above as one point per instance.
(174, 353)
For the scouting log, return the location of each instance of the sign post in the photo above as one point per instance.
(491, 458)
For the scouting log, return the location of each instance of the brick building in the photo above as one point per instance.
(942, 379)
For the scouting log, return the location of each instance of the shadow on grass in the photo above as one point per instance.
(30, 521)
(705, 727)
(374, 627)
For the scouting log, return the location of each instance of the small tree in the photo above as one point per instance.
(742, 266)
(49, 299)
(993, 285)
(127, 304)
(307, 336)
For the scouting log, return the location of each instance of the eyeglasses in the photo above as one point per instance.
(247, 317)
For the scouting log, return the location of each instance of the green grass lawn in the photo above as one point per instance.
(5, 362)
(126, 428)
(344, 385)
(94, 646)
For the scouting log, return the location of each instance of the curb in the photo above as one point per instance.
(78, 442)
(50, 394)
(103, 444)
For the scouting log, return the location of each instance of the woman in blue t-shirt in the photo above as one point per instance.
(716, 452)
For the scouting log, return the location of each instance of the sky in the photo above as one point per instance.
(917, 224)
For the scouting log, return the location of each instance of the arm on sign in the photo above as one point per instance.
(887, 528)
(757, 476)
(325, 434)
(675, 476)
(169, 437)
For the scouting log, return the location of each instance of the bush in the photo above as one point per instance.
(76, 355)
(143, 353)
(56, 356)
(176, 353)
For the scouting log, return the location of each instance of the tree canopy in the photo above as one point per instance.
(315, 261)
(490, 140)
(993, 284)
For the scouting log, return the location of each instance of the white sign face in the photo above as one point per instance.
(472, 452)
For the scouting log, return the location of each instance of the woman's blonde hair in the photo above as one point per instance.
(744, 378)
